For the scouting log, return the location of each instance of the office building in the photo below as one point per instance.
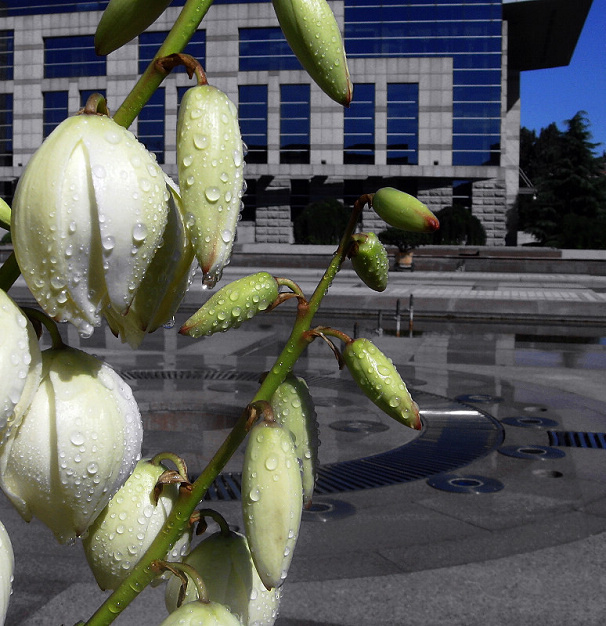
(436, 109)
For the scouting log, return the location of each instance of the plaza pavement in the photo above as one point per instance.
(526, 351)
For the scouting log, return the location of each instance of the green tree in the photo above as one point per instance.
(569, 207)
(321, 222)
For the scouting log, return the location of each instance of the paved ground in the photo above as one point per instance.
(530, 552)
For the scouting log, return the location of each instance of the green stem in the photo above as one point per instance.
(49, 324)
(217, 517)
(9, 272)
(182, 31)
(191, 495)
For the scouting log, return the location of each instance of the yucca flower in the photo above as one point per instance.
(88, 216)
(76, 445)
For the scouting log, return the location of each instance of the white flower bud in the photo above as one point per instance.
(88, 215)
(125, 529)
(7, 563)
(225, 564)
(165, 282)
(75, 446)
(20, 365)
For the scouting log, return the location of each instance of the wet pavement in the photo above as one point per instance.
(495, 513)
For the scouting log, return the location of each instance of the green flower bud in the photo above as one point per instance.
(370, 261)
(88, 215)
(201, 614)
(272, 500)
(129, 523)
(7, 564)
(164, 285)
(293, 407)
(211, 175)
(313, 34)
(76, 445)
(378, 378)
(123, 20)
(233, 304)
(225, 564)
(404, 211)
(20, 365)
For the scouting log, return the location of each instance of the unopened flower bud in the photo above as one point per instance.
(378, 378)
(123, 20)
(202, 614)
(370, 261)
(293, 407)
(272, 500)
(404, 211)
(225, 564)
(20, 365)
(313, 34)
(129, 523)
(88, 215)
(233, 304)
(164, 284)
(76, 445)
(210, 161)
(7, 564)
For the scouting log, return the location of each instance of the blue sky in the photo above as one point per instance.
(555, 95)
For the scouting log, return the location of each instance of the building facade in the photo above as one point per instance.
(435, 112)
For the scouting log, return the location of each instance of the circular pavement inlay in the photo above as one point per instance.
(359, 426)
(530, 422)
(479, 398)
(468, 483)
(327, 510)
(532, 452)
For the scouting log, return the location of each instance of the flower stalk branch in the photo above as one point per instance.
(182, 31)
(190, 495)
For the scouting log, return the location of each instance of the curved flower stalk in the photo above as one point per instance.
(123, 20)
(76, 445)
(313, 34)
(88, 215)
(20, 365)
(224, 562)
(7, 564)
(164, 284)
(129, 523)
(210, 161)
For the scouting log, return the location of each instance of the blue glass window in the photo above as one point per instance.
(265, 49)
(149, 44)
(294, 123)
(150, 130)
(402, 123)
(27, 7)
(55, 110)
(72, 56)
(469, 32)
(462, 193)
(7, 60)
(6, 129)
(359, 126)
(252, 111)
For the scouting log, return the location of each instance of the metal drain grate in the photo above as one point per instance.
(203, 374)
(575, 439)
(452, 438)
